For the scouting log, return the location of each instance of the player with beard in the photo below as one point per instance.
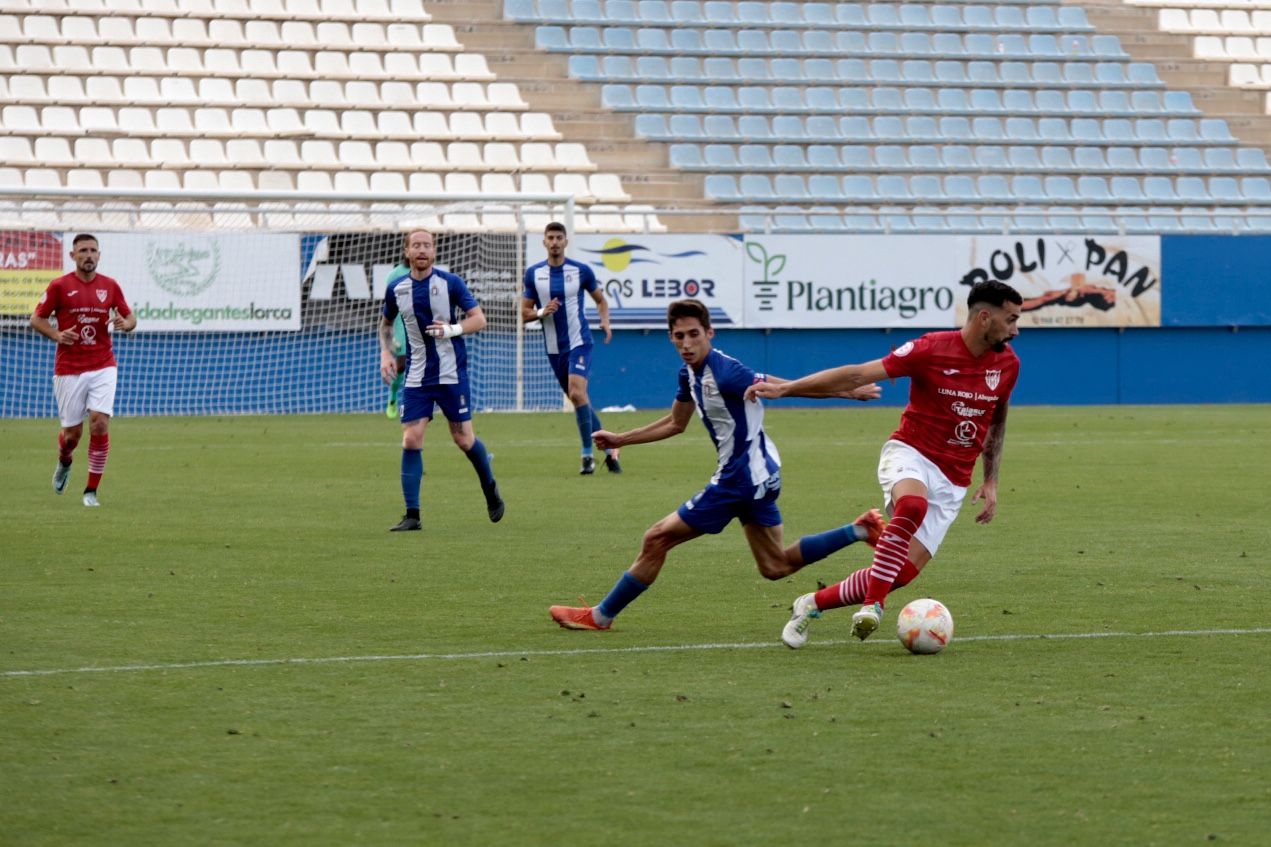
(960, 384)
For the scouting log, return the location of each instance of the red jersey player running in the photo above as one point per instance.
(960, 382)
(84, 370)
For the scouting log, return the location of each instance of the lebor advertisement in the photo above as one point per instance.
(204, 282)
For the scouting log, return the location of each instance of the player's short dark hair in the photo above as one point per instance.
(555, 226)
(408, 233)
(83, 236)
(681, 309)
(992, 293)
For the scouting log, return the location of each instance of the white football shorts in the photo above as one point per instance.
(944, 499)
(79, 394)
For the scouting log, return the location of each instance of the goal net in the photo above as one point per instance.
(266, 306)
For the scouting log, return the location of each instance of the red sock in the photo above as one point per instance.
(851, 591)
(98, 448)
(64, 450)
(892, 552)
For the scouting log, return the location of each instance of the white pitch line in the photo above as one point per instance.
(600, 651)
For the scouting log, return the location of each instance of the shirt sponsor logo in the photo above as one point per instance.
(964, 433)
(960, 408)
(992, 378)
(949, 371)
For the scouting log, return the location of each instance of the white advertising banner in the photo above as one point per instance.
(642, 274)
(205, 282)
(1072, 280)
(851, 281)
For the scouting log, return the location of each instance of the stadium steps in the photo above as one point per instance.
(577, 113)
(1172, 53)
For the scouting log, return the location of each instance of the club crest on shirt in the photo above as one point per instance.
(435, 291)
(992, 378)
(904, 349)
(101, 295)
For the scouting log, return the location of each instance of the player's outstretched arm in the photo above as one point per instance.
(664, 427)
(834, 382)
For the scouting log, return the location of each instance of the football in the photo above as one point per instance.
(925, 626)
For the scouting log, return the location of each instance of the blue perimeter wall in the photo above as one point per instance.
(1059, 366)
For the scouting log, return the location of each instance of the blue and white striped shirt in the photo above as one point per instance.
(747, 457)
(567, 328)
(442, 297)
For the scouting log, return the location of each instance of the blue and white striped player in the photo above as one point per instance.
(429, 300)
(746, 483)
(553, 294)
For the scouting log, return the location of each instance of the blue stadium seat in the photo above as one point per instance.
(687, 40)
(1057, 158)
(1183, 130)
(1186, 159)
(1251, 159)
(621, 11)
(1023, 158)
(585, 11)
(993, 187)
(986, 129)
(685, 127)
(754, 156)
(1118, 131)
(520, 10)
(721, 127)
(586, 38)
(882, 15)
(890, 127)
(653, 126)
(1117, 101)
(785, 127)
(753, 41)
(917, 71)
(961, 187)
(1195, 222)
(647, 67)
(825, 219)
(1179, 103)
(1093, 189)
(953, 100)
(916, 44)
(1216, 129)
(860, 188)
(822, 128)
(720, 156)
(981, 45)
(620, 67)
(887, 99)
(1094, 219)
(1158, 189)
(1225, 189)
(555, 10)
(755, 218)
(1142, 73)
(947, 45)
(854, 128)
(753, 13)
(818, 14)
(1155, 159)
(1077, 47)
(987, 73)
(885, 70)
(893, 188)
(1107, 47)
(653, 39)
(1020, 130)
(722, 41)
(686, 69)
(1119, 158)
(1255, 189)
(822, 99)
(585, 67)
(945, 16)
(616, 96)
(1073, 19)
(786, 14)
(1009, 17)
(1059, 187)
(654, 11)
(1092, 158)
(918, 100)
(1087, 130)
(787, 98)
(855, 99)
(926, 187)
(922, 128)
(891, 157)
(785, 42)
(914, 16)
(751, 98)
(551, 38)
(1163, 221)
(956, 128)
(761, 70)
(619, 38)
(1080, 73)
(1053, 130)
(790, 188)
(950, 72)
(924, 157)
(722, 187)
(1027, 188)
(852, 156)
(723, 98)
(987, 101)
(652, 98)
(1063, 219)
(818, 41)
(1018, 100)
(1042, 73)
(685, 156)
(719, 69)
(991, 157)
(895, 219)
(719, 12)
(687, 98)
(1078, 101)
(826, 71)
(978, 17)
(756, 188)
(850, 42)
(686, 12)
(1041, 17)
(957, 156)
(824, 157)
(789, 157)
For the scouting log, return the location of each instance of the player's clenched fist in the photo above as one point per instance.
(765, 391)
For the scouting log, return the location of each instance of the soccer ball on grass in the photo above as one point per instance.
(925, 626)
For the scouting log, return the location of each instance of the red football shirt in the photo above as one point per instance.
(84, 307)
(953, 397)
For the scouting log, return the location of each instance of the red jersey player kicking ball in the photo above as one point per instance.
(84, 370)
(959, 384)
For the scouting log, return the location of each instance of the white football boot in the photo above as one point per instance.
(803, 612)
(90, 498)
(866, 620)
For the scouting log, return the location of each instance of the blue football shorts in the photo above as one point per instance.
(453, 399)
(577, 362)
(714, 507)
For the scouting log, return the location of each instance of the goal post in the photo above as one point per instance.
(267, 303)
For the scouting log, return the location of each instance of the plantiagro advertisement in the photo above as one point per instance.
(1072, 280)
(29, 261)
(642, 274)
(205, 282)
(851, 281)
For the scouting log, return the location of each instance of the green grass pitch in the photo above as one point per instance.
(238, 652)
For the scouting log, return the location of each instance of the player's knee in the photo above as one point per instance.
(773, 568)
(656, 540)
(463, 441)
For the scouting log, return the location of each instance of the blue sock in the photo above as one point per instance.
(626, 589)
(595, 421)
(412, 473)
(584, 417)
(816, 547)
(481, 462)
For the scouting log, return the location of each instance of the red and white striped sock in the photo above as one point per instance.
(851, 591)
(98, 449)
(892, 552)
(65, 451)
